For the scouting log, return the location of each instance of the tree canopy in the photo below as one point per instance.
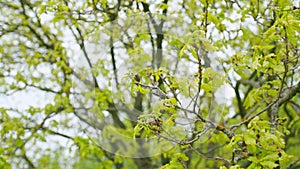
(149, 84)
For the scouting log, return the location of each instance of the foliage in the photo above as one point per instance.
(149, 84)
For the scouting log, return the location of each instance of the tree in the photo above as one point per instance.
(149, 84)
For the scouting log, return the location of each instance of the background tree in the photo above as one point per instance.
(149, 84)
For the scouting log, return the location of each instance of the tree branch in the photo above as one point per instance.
(286, 95)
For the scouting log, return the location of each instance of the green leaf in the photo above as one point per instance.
(208, 46)
(269, 164)
(250, 138)
(181, 53)
(254, 159)
(206, 87)
(252, 98)
(279, 68)
(272, 156)
(194, 52)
